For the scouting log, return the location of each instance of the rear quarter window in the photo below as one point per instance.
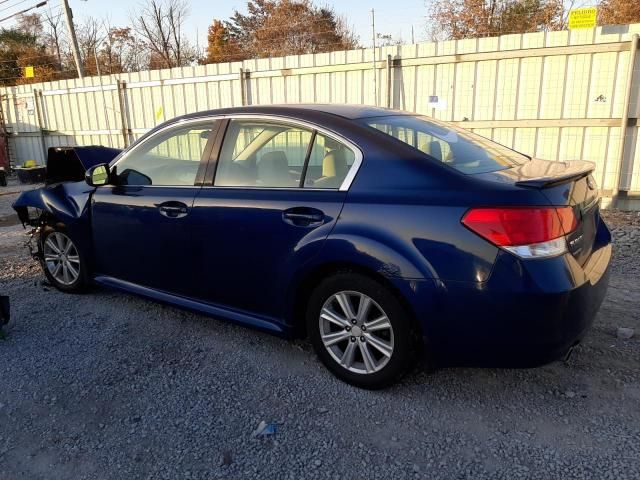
(455, 147)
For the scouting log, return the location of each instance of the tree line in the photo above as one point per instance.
(155, 37)
(458, 19)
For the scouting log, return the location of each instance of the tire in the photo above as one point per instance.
(346, 358)
(73, 262)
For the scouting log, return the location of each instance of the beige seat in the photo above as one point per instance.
(273, 170)
(334, 169)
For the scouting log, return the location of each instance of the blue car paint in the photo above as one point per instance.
(67, 203)
(241, 234)
(235, 316)
(233, 256)
(140, 245)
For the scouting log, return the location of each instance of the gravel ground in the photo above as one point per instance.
(109, 386)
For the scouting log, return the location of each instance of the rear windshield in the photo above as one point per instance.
(465, 151)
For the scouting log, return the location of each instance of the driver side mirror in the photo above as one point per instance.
(98, 175)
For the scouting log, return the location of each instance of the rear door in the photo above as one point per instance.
(276, 193)
(141, 223)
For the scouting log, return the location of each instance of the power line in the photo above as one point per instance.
(9, 7)
(38, 5)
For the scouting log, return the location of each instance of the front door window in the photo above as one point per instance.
(169, 159)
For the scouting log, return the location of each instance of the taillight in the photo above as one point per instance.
(528, 232)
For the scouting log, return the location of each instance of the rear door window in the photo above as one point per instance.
(257, 153)
(262, 154)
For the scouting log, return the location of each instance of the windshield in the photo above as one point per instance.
(465, 151)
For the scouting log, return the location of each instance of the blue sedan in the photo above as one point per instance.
(382, 235)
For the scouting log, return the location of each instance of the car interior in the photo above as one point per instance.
(253, 154)
(274, 156)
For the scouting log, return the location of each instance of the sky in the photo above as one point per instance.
(392, 17)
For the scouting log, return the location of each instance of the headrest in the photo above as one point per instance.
(273, 168)
(432, 148)
(334, 164)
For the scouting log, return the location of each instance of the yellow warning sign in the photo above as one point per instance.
(28, 72)
(583, 18)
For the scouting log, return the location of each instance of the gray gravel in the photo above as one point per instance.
(106, 385)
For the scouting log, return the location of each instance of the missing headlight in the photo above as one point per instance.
(33, 215)
(29, 215)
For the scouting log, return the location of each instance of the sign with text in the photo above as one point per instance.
(583, 18)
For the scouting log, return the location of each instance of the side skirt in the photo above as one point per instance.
(234, 316)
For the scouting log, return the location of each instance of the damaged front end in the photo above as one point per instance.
(64, 203)
(65, 197)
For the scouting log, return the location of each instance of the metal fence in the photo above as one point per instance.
(555, 95)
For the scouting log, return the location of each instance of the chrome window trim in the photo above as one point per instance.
(346, 183)
(357, 152)
(143, 140)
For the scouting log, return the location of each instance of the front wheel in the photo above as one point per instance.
(360, 330)
(62, 261)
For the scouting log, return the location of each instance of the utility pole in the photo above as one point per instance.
(413, 40)
(74, 41)
(375, 71)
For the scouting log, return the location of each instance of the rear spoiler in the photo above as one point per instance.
(554, 173)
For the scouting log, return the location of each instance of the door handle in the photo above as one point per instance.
(173, 209)
(303, 217)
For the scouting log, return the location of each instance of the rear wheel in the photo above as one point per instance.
(62, 261)
(360, 330)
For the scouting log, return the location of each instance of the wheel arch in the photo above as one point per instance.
(306, 283)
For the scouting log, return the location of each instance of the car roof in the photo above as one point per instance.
(351, 112)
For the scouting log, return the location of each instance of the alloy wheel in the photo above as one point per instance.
(61, 258)
(356, 332)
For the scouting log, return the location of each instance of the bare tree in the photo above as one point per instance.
(91, 35)
(121, 51)
(54, 34)
(159, 23)
(31, 24)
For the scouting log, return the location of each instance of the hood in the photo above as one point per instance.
(68, 164)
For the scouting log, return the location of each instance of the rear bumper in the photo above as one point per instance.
(527, 314)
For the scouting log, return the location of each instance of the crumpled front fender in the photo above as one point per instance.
(66, 202)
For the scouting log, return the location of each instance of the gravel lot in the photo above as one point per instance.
(106, 385)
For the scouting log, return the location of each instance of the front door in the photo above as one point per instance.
(140, 223)
(277, 193)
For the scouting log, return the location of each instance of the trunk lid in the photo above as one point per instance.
(563, 184)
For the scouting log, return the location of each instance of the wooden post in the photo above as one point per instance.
(43, 143)
(389, 81)
(624, 121)
(122, 87)
(243, 96)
